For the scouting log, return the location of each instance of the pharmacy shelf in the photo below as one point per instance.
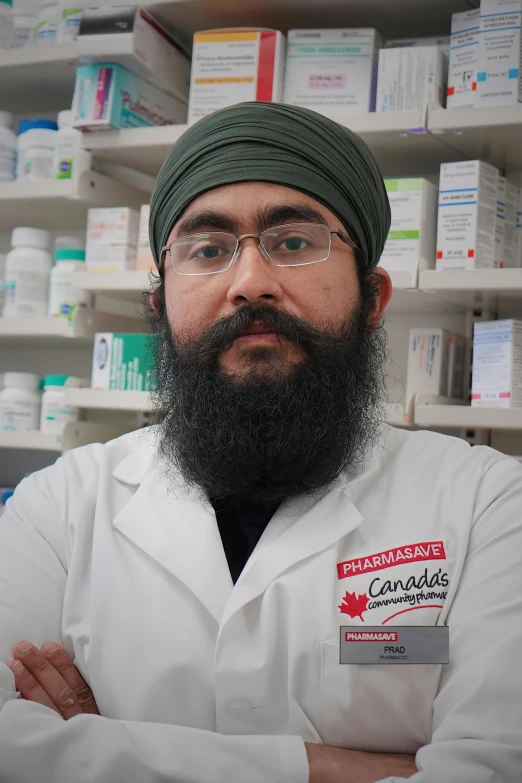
(37, 78)
(188, 16)
(466, 417)
(490, 134)
(477, 288)
(108, 400)
(55, 204)
(75, 434)
(31, 441)
(399, 140)
(86, 323)
(119, 285)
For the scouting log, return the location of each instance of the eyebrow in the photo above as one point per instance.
(265, 218)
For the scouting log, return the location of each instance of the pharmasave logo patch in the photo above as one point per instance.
(416, 590)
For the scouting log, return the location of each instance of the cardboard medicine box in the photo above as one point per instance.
(409, 78)
(112, 239)
(463, 59)
(123, 362)
(233, 65)
(145, 259)
(497, 364)
(333, 72)
(499, 80)
(428, 358)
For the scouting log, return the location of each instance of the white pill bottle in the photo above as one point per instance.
(20, 402)
(69, 20)
(46, 24)
(6, 24)
(7, 147)
(55, 413)
(69, 159)
(27, 271)
(64, 298)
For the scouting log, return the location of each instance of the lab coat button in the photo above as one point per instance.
(237, 707)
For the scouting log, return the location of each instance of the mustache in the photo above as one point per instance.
(222, 335)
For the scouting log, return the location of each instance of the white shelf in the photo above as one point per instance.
(464, 416)
(108, 400)
(143, 149)
(37, 78)
(32, 441)
(475, 288)
(57, 204)
(120, 285)
(75, 434)
(47, 330)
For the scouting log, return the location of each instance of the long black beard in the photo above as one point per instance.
(280, 429)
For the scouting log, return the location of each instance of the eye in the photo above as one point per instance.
(207, 252)
(292, 244)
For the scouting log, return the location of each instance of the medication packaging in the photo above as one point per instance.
(332, 71)
(55, 413)
(428, 362)
(69, 20)
(27, 270)
(124, 361)
(463, 59)
(410, 78)
(38, 159)
(107, 95)
(498, 77)
(69, 158)
(6, 24)
(497, 364)
(23, 30)
(7, 147)
(443, 42)
(466, 216)
(456, 366)
(20, 402)
(413, 228)
(145, 259)
(46, 24)
(235, 65)
(64, 298)
(138, 42)
(500, 222)
(112, 239)
(511, 255)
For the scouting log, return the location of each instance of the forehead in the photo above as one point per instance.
(244, 201)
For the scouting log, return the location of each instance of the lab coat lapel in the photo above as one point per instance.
(179, 532)
(305, 533)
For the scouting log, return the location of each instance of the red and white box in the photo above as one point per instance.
(497, 364)
(235, 64)
(463, 59)
(467, 215)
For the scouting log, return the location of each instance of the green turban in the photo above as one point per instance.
(282, 144)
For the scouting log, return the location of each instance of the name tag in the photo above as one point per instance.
(397, 644)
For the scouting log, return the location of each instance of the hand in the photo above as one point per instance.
(50, 678)
(330, 765)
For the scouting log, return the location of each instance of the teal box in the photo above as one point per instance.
(124, 361)
(107, 95)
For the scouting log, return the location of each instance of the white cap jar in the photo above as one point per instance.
(27, 270)
(55, 413)
(20, 402)
(36, 151)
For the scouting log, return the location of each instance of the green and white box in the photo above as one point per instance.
(467, 215)
(123, 361)
(500, 53)
(413, 229)
(333, 72)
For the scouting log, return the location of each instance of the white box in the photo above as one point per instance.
(443, 42)
(500, 219)
(463, 59)
(235, 65)
(497, 364)
(128, 35)
(456, 366)
(466, 217)
(411, 78)
(498, 77)
(518, 229)
(332, 71)
(112, 239)
(413, 228)
(145, 259)
(428, 358)
(511, 254)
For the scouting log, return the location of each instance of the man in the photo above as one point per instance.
(259, 589)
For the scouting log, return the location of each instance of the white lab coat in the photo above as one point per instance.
(201, 681)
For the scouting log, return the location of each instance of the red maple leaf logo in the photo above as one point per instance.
(354, 605)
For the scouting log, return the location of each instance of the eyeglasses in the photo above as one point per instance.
(210, 252)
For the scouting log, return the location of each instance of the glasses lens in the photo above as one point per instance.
(202, 254)
(299, 243)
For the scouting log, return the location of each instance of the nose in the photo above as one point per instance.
(253, 275)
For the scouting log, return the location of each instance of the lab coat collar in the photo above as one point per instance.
(168, 522)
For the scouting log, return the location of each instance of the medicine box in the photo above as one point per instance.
(136, 41)
(428, 359)
(498, 77)
(497, 364)
(411, 78)
(233, 65)
(112, 239)
(107, 95)
(500, 219)
(456, 366)
(145, 259)
(511, 254)
(123, 362)
(463, 59)
(333, 72)
(443, 42)
(413, 228)
(466, 216)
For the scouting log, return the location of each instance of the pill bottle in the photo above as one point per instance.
(69, 20)
(20, 402)
(55, 413)
(64, 298)
(46, 24)
(2, 287)
(23, 29)
(36, 147)
(7, 147)
(6, 24)
(23, 127)
(27, 270)
(69, 158)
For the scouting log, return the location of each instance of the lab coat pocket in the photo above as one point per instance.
(376, 708)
